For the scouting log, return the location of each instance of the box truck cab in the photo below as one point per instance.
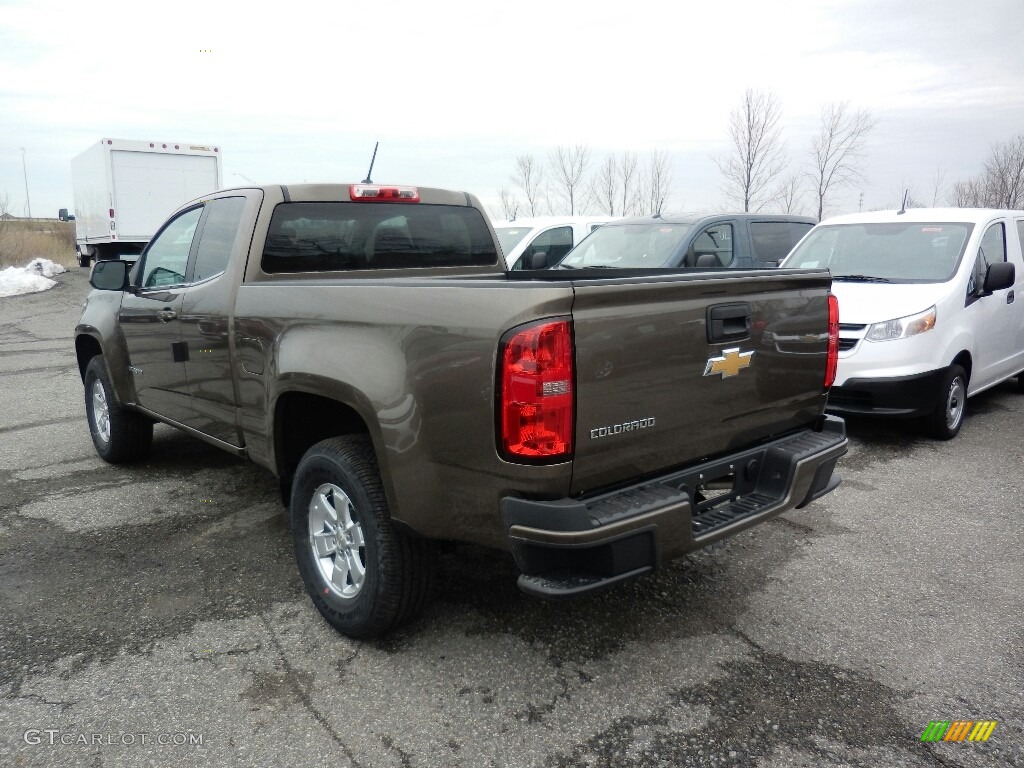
(555, 236)
(930, 308)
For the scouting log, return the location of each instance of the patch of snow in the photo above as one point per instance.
(33, 277)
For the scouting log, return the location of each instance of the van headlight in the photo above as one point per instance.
(901, 327)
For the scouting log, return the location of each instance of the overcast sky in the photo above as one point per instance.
(455, 91)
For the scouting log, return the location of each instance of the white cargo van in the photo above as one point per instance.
(554, 235)
(124, 190)
(929, 308)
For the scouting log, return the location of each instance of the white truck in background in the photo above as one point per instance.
(124, 190)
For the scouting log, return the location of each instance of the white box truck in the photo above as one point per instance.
(124, 190)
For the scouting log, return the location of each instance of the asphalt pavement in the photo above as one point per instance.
(153, 615)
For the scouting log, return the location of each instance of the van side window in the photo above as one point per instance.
(992, 251)
(555, 243)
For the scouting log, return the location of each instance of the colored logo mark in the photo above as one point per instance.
(958, 730)
(730, 363)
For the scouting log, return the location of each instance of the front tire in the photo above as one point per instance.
(365, 576)
(945, 421)
(120, 434)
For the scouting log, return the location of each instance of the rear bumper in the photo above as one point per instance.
(902, 396)
(569, 547)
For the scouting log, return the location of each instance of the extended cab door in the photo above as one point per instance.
(149, 318)
(206, 313)
(680, 367)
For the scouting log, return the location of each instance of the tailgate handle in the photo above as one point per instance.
(728, 322)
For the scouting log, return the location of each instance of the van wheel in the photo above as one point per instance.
(120, 434)
(948, 416)
(365, 576)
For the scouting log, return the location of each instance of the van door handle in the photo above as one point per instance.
(167, 314)
(728, 322)
(1009, 297)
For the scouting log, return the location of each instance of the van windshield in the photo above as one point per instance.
(628, 246)
(903, 252)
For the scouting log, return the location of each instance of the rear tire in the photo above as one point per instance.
(365, 576)
(945, 421)
(120, 434)
(84, 260)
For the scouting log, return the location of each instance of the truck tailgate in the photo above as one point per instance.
(673, 369)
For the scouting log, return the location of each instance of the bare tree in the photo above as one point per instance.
(757, 157)
(1001, 183)
(568, 164)
(655, 184)
(627, 182)
(604, 186)
(837, 152)
(1004, 171)
(789, 194)
(509, 203)
(938, 186)
(528, 176)
(968, 193)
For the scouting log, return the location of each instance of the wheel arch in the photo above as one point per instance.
(302, 419)
(86, 348)
(964, 360)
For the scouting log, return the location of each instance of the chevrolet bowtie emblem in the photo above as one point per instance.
(731, 362)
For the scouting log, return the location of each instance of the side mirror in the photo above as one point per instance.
(110, 275)
(999, 275)
(537, 260)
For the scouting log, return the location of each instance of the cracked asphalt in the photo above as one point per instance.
(158, 604)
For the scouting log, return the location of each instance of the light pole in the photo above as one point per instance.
(28, 204)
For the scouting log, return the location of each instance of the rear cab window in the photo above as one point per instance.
(773, 240)
(352, 236)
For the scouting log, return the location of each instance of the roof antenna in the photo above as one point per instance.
(369, 173)
(903, 208)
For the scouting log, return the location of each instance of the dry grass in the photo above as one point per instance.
(22, 241)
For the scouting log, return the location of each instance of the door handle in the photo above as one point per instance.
(167, 314)
(1009, 297)
(728, 322)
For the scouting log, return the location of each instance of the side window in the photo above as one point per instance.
(555, 243)
(992, 250)
(773, 240)
(1020, 233)
(166, 257)
(218, 237)
(714, 241)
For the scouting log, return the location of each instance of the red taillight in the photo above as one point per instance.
(833, 340)
(537, 391)
(111, 213)
(375, 193)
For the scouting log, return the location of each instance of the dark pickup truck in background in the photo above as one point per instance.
(366, 345)
(689, 240)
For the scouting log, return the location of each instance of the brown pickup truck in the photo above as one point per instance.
(366, 345)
